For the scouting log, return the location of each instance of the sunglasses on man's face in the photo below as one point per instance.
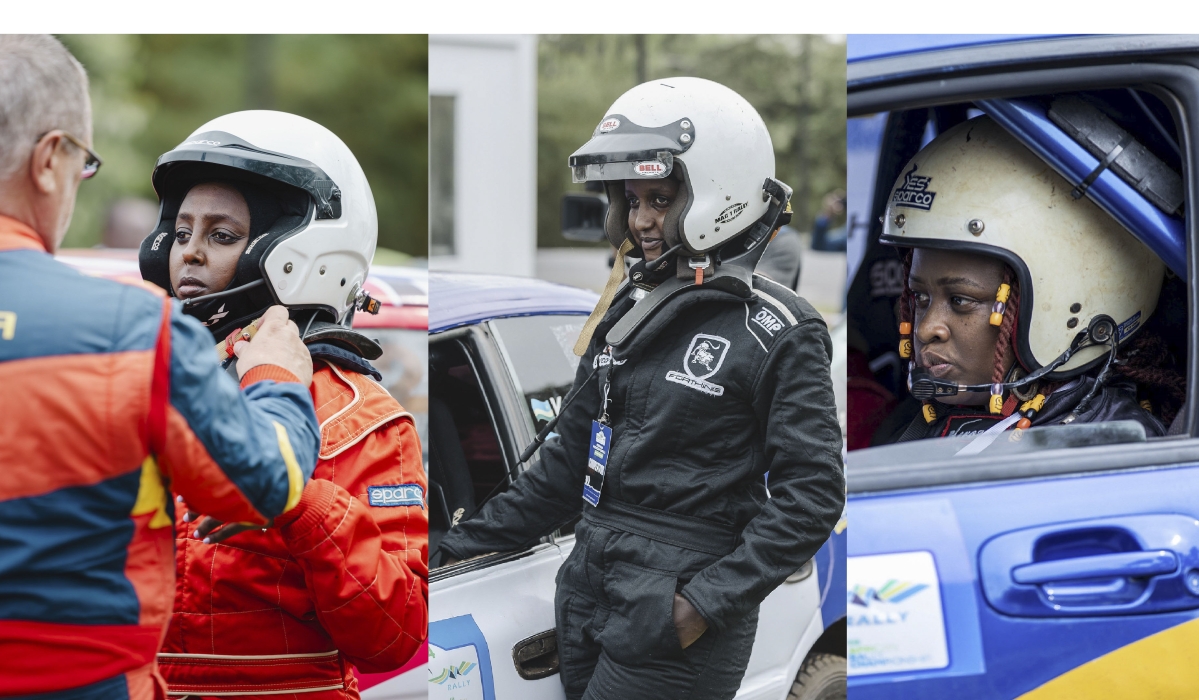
(92, 165)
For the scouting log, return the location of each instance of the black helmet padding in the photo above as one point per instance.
(276, 211)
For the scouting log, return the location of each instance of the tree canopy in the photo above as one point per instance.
(149, 92)
(796, 82)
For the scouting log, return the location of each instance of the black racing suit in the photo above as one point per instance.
(1116, 400)
(709, 395)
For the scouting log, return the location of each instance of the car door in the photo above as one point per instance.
(492, 630)
(1064, 566)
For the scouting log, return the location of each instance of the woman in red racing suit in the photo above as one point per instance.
(340, 582)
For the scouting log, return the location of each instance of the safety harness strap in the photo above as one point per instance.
(605, 300)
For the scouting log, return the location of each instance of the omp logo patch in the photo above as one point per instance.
(768, 321)
(913, 193)
(398, 495)
(731, 212)
(704, 357)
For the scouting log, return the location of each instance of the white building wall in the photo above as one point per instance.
(494, 81)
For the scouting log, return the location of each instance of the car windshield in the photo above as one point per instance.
(403, 366)
(539, 350)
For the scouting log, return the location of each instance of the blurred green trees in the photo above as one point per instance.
(150, 92)
(796, 82)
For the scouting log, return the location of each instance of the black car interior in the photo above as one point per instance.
(465, 462)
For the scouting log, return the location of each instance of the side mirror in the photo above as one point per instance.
(583, 217)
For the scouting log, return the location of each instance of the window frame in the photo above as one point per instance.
(1171, 73)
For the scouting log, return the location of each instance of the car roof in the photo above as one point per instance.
(403, 292)
(464, 299)
(864, 47)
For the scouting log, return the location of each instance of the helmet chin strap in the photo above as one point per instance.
(597, 314)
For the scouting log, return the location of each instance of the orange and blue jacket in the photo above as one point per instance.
(340, 581)
(110, 398)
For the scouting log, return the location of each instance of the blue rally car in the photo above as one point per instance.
(1065, 565)
(500, 364)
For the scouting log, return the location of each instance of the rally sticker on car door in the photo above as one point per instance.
(895, 617)
(459, 662)
(454, 673)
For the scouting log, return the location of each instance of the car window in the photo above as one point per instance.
(880, 374)
(403, 366)
(466, 464)
(539, 350)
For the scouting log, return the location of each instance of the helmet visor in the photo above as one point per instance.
(221, 148)
(622, 150)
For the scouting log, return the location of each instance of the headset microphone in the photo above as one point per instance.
(923, 386)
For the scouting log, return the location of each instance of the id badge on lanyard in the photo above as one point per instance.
(601, 436)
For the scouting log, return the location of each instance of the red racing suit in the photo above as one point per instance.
(340, 581)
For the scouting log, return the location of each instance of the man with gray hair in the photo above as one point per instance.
(108, 394)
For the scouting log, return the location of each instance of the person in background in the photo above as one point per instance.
(110, 395)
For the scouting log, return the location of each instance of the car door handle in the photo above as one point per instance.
(1121, 564)
(537, 656)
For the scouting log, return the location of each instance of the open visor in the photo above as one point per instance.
(221, 148)
(622, 150)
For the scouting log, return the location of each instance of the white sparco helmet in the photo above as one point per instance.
(976, 189)
(313, 221)
(701, 133)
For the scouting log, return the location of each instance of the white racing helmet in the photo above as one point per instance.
(976, 189)
(310, 249)
(701, 133)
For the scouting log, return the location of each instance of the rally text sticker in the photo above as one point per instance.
(454, 673)
(895, 618)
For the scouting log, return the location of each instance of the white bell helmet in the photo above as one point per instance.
(700, 132)
(314, 254)
(976, 189)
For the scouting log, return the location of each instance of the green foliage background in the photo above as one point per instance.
(796, 82)
(149, 92)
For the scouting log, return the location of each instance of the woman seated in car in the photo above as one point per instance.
(1023, 306)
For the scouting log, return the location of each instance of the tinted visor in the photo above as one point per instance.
(221, 148)
(622, 150)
